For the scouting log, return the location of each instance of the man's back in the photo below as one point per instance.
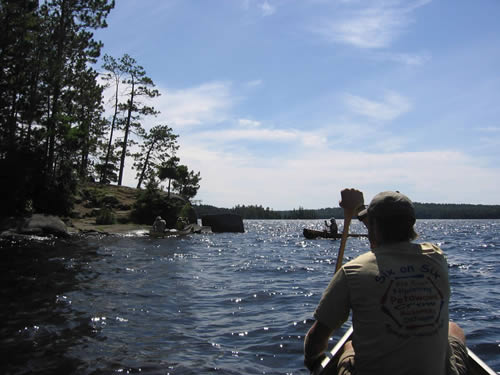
(399, 298)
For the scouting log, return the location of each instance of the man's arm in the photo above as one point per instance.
(316, 343)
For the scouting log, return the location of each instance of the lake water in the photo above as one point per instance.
(207, 303)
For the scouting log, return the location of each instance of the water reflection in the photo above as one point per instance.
(39, 324)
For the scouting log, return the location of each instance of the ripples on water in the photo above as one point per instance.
(212, 303)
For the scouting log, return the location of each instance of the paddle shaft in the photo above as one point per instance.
(343, 241)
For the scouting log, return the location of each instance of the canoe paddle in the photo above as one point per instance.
(350, 201)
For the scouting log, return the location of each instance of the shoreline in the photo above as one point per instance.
(78, 226)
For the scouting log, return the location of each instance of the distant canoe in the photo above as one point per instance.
(311, 234)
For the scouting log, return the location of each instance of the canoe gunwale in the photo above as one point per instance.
(329, 364)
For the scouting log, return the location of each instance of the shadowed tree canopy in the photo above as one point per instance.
(50, 107)
(160, 143)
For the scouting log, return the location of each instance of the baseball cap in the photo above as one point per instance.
(389, 203)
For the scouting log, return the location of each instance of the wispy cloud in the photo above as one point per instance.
(254, 83)
(374, 26)
(254, 132)
(403, 58)
(248, 123)
(205, 104)
(393, 106)
(267, 9)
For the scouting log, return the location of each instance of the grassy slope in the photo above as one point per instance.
(125, 195)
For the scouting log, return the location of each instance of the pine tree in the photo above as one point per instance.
(159, 144)
(139, 85)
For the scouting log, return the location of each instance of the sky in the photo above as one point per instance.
(283, 103)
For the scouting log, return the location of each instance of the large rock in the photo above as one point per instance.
(224, 223)
(44, 225)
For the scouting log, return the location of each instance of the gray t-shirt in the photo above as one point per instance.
(399, 296)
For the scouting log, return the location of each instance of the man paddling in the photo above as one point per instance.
(398, 294)
(332, 228)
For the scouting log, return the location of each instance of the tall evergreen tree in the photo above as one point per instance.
(139, 85)
(67, 24)
(49, 98)
(19, 25)
(114, 71)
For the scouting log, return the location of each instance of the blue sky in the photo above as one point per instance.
(283, 103)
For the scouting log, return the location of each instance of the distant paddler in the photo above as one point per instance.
(332, 228)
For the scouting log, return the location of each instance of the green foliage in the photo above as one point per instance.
(160, 143)
(255, 212)
(152, 202)
(189, 213)
(422, 211)
(24, 184)
(50, 97)
(106, 216)
(168, 170)
(186, 183)
(52, 126)
(456, 211)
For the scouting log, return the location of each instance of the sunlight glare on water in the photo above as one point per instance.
(226, 303)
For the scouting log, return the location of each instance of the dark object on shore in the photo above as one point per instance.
(311, 234)
(224, 223)
(35, 225)
(329, 364)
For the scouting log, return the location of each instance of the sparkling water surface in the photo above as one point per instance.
(207, 303)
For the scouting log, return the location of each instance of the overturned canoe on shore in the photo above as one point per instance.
(329, 364)
(312, 234)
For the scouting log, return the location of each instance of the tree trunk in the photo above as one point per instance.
(125, 137)
(56, 92)
(113, 122)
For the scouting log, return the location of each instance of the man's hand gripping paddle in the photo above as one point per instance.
(351, 200)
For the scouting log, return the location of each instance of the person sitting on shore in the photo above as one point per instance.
(159, 225)
(181, 223)
(332, 227)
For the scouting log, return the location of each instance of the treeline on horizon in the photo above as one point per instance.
(55, 131)
(422, 211)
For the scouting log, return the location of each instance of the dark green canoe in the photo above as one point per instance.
(313, 233)
(329, 364)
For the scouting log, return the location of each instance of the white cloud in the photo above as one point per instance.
(207, 103)
(393, 106)
(248, 123)
(267, 9)
(252, 133)
(314, 177)
(375, 26)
